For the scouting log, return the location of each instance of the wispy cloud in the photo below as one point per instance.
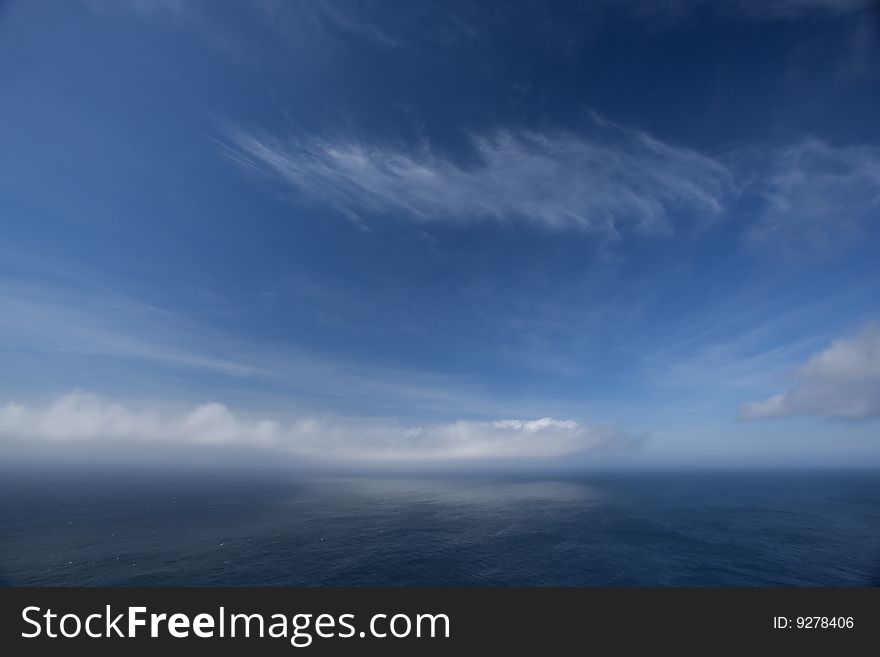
(99, 322)
(842, 382)
(757, 326)
(409, 25)
(77, 417)
(612, 182)
(810, 197)
(757, 10)
(146, 8)
(797, 8)
(105, 323)
(817, 196)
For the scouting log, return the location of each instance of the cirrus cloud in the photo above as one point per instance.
(613, 181)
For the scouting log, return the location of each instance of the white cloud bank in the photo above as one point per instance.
(842, 382)
(79, 417)
(613, 181)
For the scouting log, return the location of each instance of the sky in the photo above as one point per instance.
(447, 233)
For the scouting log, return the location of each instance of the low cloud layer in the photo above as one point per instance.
(612, 182)
(81, 418)
(841, 382)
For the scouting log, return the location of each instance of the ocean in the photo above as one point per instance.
(805, 528)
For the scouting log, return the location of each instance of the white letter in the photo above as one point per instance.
(433, 618)
(344, 623)
(24, 617)
(408, 625)
(78, 625)
(112, 626)
(49, 616)
(373, 626)
(298, 633)
(247, 627)
(176, 623)
(89, 626)
(203, 626)
(324, 620)
(154, 623)
(280, 624)
(134, 621)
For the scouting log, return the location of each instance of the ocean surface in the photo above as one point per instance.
(620, 529)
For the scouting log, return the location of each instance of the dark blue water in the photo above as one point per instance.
(682, 529)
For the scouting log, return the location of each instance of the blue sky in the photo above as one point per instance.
(625, 232)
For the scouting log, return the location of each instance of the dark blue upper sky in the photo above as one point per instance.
(652, 224)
